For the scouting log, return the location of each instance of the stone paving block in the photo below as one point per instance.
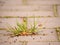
(27, 8)
(55, 43)
(44, 22)
(31, 2)
(27, 13)
(37, 2)
(37, 43)
(47, 31)
(13, 14)
(13, 2)
(10, 43)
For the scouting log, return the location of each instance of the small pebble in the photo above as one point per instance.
(52, 32)
(33, 38)
(44, 27)
(15, 40)
(5, 41)
(40, 37)
(43, 34)
(9, 42)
